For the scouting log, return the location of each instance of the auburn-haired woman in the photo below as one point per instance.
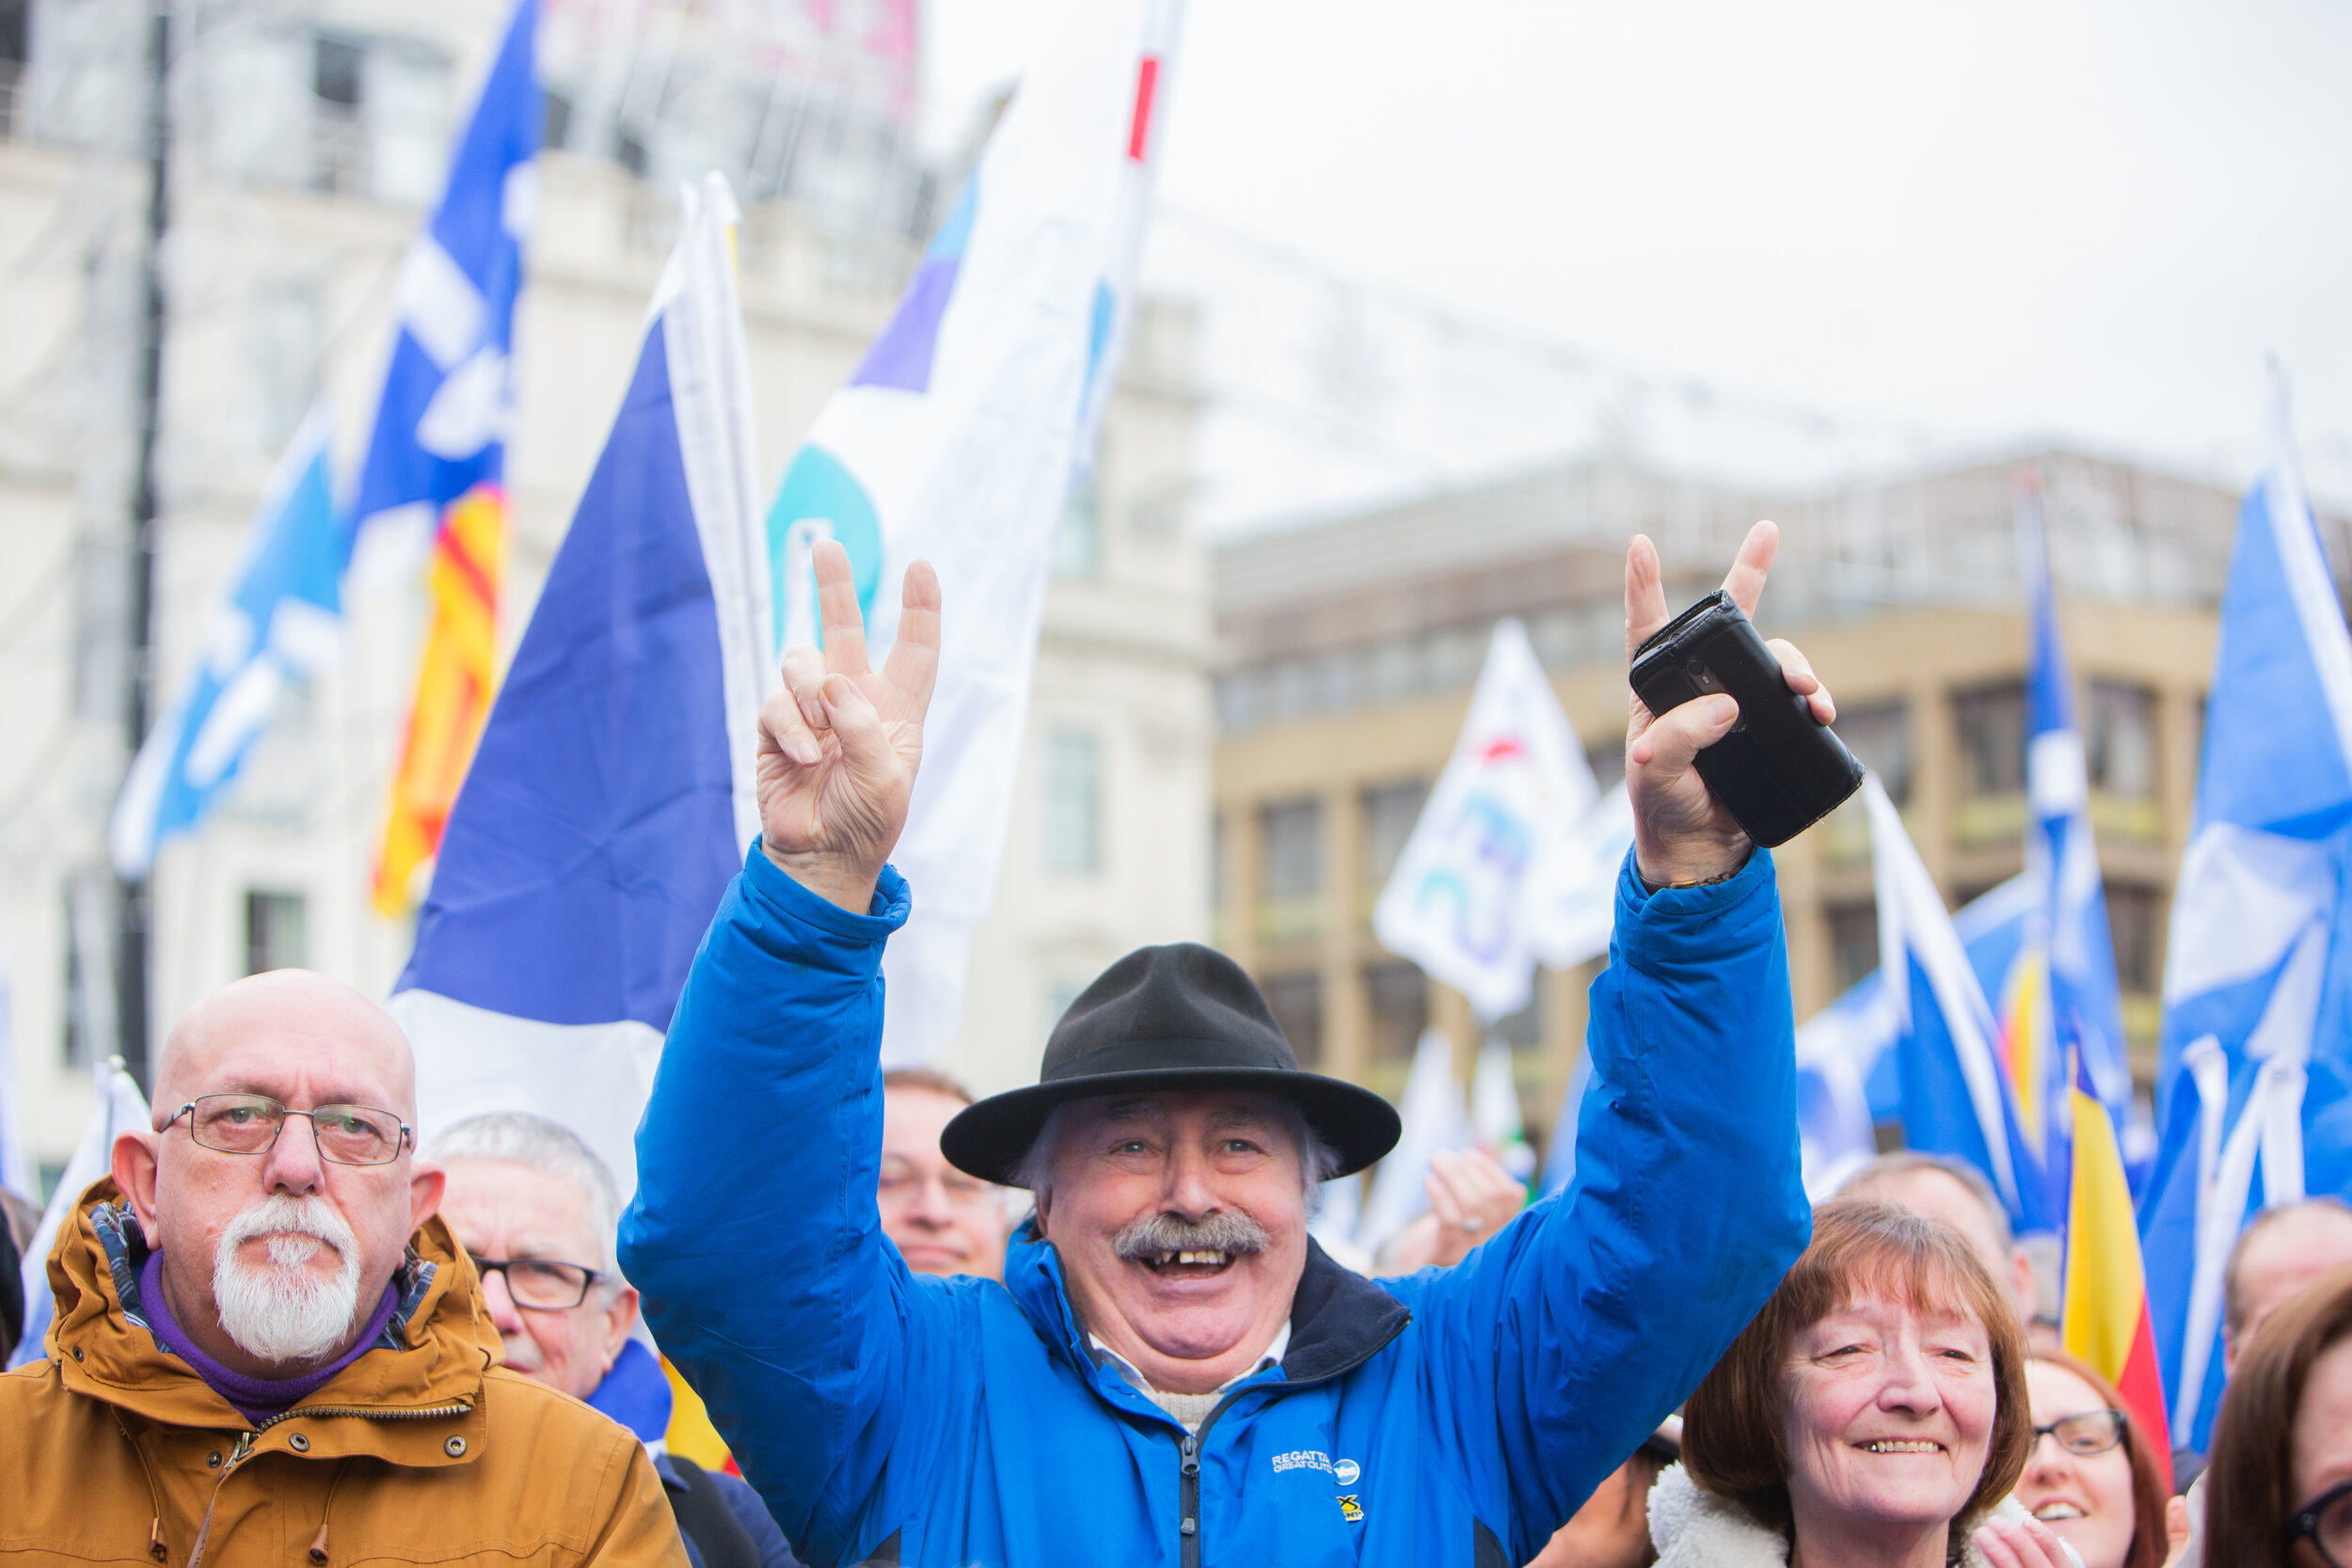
(2278, 1490)
(1874, 1412)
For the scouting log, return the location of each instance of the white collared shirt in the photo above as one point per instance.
(1192, 1409)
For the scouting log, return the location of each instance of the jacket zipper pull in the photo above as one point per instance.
(1189, 1451)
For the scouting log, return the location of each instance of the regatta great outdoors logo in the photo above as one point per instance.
(1305, 1459)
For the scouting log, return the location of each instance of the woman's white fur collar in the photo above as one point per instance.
(1693, 1529)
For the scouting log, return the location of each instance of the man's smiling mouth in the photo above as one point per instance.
(1187, 1266)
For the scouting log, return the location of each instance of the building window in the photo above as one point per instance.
(1291, 850)
(2122, 739)
(1389, 813)
(1879, 737)
(1853, 942)
(1073, 802)
(275, 931)
(1397, 996)
(89, 973)
(2136, 928)
(1992, 724)
(1078, 543)
(1297, 1004)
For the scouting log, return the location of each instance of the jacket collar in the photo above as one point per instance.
(432, 1356)
(1338, 1318)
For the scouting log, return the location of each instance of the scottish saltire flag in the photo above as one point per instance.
(2102, 1314)
(1956, 1094)
(611, 800)
(1466, 901)
(2257, 1043)
(1837, 1049)
(1849, 1078)
(1435, 1120)
(956, 440)
(281, 624)
(121, 1108)
(2059, 999)
(436, 458)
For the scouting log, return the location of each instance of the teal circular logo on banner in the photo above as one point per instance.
(819, 498)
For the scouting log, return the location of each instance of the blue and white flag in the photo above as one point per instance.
(612, 798)
(121, 1108)
(2257, 1044)
(2068, 946)
(956, 441)
(1471, 901)
(441, 427)
(281, 623)
(1956, 1097)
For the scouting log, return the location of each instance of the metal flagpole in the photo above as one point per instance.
(133, 905)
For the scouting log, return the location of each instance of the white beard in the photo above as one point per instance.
(280, 1311)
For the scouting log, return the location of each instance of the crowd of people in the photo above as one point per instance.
(1084, 1321)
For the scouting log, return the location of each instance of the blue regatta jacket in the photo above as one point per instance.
(1455, 1417)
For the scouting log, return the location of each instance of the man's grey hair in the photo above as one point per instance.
(552, 1150)
(2232, 1296)
(1318, 1162)
(1904, 1161)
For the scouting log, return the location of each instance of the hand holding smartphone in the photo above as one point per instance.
(1779, 770)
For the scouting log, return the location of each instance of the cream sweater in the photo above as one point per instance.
(1693, 1529)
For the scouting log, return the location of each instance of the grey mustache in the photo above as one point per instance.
(1154, 1234)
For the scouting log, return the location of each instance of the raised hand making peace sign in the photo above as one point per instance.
(839, 745)
(1681, 832)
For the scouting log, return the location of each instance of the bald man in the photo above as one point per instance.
(265, 1341)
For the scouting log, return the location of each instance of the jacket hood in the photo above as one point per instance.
(1695, 1529)
(432, 1355)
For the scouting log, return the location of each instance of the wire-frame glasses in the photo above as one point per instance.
(250, 1124)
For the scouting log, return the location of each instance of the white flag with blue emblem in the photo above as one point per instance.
(2257, 1044)
(281, 625)
(956, 440)
(1472, 899)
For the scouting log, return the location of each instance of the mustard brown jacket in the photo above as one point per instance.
(422, 1450)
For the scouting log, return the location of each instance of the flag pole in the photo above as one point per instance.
(133, 907)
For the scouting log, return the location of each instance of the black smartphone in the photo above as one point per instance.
(1779, 770)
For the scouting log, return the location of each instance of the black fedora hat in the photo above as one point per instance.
(1182, 1017)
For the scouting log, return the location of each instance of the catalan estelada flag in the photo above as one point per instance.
(437, 451)
(454, 684)
(2103, 1316)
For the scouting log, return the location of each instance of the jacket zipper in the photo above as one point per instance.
(1188, 1450)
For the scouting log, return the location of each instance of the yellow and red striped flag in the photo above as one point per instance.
(2103, 1316)
(454, 685)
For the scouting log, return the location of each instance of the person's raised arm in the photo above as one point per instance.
(753, 1235)
(1570, 1336)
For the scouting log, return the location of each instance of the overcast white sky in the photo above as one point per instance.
(1986, 222)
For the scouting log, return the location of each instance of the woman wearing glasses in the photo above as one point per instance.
(2090, 1475)
(2279, 1488)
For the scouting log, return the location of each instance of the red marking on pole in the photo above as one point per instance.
(1503, 749)
(1146, 83)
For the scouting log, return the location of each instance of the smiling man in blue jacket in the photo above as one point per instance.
(1172, 1372)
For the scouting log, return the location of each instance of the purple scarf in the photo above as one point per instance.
(256, 1399)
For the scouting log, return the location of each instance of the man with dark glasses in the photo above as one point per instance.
(267, 1340)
